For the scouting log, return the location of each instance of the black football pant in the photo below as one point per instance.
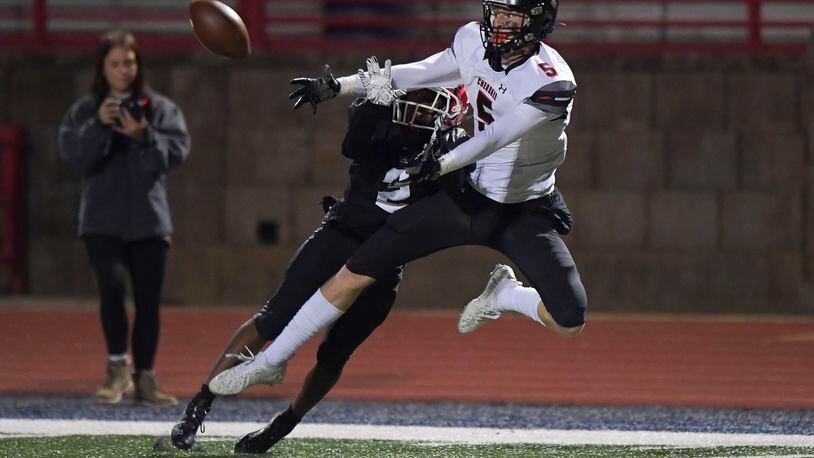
(145, 261)
(316, 261)
(523, 232)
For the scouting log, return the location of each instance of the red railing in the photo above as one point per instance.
(13, 208)
(744, 26)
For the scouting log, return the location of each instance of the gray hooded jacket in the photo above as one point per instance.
(123, 186)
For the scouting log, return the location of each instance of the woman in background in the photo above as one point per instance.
(124, 138)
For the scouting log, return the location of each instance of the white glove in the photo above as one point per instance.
(378, 84)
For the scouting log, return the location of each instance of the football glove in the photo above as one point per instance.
(418, 170)
(315, 90)
(442, 142)
(421, 167)
(450, 138)
(425, 169)
(378, 84)
(425, 166)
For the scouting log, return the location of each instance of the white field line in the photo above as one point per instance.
(27, 427)
(773, 456)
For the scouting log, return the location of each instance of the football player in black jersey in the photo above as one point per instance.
(523, 93)
(383, 138)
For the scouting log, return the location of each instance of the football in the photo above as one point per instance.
(219, 28)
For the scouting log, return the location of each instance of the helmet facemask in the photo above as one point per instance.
(509, 25)
(428, 109)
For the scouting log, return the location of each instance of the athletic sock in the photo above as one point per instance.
(282, 424)
(289, 417)
(517, 298)
(206, 394)
(315, 314)
(116, 358)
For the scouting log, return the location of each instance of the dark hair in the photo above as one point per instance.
(110, 40)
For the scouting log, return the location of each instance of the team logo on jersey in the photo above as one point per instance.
(486, 87)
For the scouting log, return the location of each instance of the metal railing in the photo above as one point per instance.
(653, 26)
(13, 190)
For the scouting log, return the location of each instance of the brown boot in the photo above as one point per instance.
(117, 381)
(149, 393)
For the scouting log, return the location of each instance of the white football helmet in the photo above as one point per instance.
(431, 108)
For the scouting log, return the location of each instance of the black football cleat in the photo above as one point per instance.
(184, 432)
(262, 440)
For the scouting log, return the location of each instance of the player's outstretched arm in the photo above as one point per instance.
(438, 70)
(314, 90)
(500, 133)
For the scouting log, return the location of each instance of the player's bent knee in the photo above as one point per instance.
(348, 278)
(331, 360)
(568, 320)
(568, 332)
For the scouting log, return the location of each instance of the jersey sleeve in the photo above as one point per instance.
(553, 97)
(365, 122)
(439, 70)
(504, 130)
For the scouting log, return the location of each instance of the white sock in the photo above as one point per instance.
(315, 314)
(116, 358)
(517, 298)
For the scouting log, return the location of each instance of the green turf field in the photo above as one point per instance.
(143, 446)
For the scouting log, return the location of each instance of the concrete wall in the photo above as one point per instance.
(691, 180)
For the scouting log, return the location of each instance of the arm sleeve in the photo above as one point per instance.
(500, 133)
(440, 69)
(364, 120)
(167, 142)
(83, 139)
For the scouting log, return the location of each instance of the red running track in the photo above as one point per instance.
(419, 356)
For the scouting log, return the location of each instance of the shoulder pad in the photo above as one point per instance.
(554, 97)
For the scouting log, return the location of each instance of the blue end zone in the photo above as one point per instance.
(509, 416)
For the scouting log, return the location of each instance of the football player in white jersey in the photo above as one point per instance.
(522, 91)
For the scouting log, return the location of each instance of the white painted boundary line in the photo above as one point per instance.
(26, 427)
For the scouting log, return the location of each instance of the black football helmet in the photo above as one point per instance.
(538, 19)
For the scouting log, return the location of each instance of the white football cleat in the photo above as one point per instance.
(483, 307)
(252, 372)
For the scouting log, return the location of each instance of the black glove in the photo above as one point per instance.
(425, 166)
(418, 170)
(428, 170)
(315, 90)
(421, 167)
(450, 139)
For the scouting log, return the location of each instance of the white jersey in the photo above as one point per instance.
(520, 116)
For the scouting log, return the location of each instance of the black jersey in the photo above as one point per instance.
(377, 147)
